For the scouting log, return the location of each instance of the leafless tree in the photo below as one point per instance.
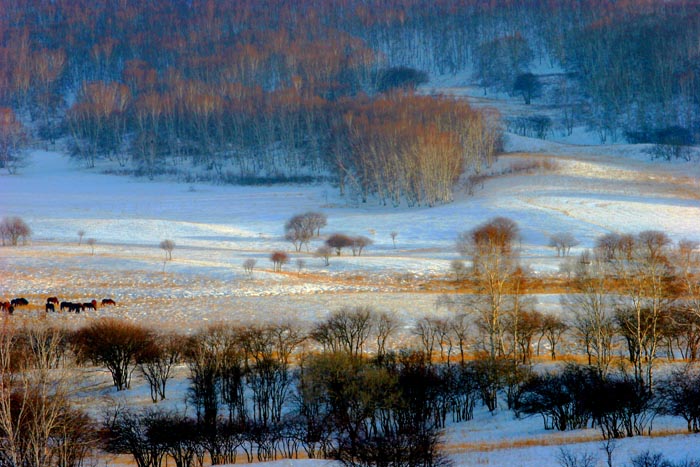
(591, 310)
(552, 328)
(279, 259)
(81, 234)
(300, 265)
(157, 361)
(649, 287)
(13, 230)
(359, 243)
(299, 230)
(248, 266)
(562, 242)
(115, 344)
(317, 220)
(325, 253)
(491, 248)
(338, 242)
(385, 325)
(91, 243)
(459, 269)
(393, 235)
(168, 246)
(39, 426)
(346, 330)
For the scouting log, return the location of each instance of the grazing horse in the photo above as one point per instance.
(76, 307)
(108, 301)
(7, 306)
(50, 307)
(53, 300)
(19, 302)
(65, 305)
(89, 305)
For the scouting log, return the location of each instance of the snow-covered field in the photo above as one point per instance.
(593, 190)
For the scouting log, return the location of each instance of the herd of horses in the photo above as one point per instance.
(52, 303)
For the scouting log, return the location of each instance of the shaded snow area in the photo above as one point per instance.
(584, 190)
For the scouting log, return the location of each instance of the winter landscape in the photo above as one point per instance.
(182, 249)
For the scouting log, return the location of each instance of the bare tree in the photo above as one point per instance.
(168, 246)
(81, 234)
(248, 266)
(459, 269)
(562, 242)
(13, 230)
(300, 265)
(299, 230)
(552, 328)
(338, 242)
(393, 235)
(359, 243)
(385, 325)
(491, 249)
(346, 330)
(591, 309)
(317, 220)
(157, 360)
(279, 259)
(39, 426)
(91, 243)
(325, 253)
(649, 287)
(114, 343)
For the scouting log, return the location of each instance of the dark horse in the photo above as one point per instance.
(19, 302)
(50, 307)
(108, 301)
(89, 305)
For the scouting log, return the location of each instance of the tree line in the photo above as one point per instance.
(240, 92)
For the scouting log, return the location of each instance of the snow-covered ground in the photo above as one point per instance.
(592, 190)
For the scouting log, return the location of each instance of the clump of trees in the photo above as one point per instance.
(412, 149)
(300, 229)
(14, 230)
(40, 425)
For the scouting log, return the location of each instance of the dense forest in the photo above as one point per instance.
(274, 90)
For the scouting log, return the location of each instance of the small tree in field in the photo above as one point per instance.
(300, 265)
(393, 237)
(338, 242)
(359, 244)
(81, 234)
(562, 242)
(325, 253)
(279, 258)
(13, 230)
(91, 243)
(168, 246)
(248, 266)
